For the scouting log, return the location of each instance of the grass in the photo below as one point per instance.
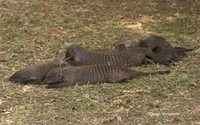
(35, 32)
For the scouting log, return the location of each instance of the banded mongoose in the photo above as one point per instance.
(70, 76)
(37, 73)
(130, 57)
(150, 42)
(171, 54)
(158, 45)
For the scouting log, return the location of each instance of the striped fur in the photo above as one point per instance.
(103, 51)
(92, 74)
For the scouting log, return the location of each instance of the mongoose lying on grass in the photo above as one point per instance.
(70, 76)
(150, 42)
(130, 57)
(37, 73)
(158, 45)
(171, 54)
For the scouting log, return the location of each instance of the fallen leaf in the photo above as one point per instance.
(1, 101)
(3, 60)
(129, 91)
(8, 97)
(132, 106)
(119, 118)
(139, 83)
(78, 100)
(7, 112)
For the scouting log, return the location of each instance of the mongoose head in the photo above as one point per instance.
(178, 54)
(54, 76)
(74, 51)
(23, 76)
(126, 45)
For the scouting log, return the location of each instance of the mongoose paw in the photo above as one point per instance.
(167, 72)
(164, 72)
(173, 64)
(49, 87)
(167, 64)
(24, 83)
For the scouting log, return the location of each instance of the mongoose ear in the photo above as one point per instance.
(155, 49)
(120, 47)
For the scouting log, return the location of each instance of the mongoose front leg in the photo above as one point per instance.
(58, 85)
(31, 81)
(149, 61)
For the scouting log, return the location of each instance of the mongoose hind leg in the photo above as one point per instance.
(57, 85)
(137, 59)
(118, 77)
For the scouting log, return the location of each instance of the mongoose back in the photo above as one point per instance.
(105, 51)
(152, 42)
(70, 76)
(130, 57)
(37, 73)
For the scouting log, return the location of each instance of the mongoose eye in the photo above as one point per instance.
(60, 80)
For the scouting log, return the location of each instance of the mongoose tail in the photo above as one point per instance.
(138, 73)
